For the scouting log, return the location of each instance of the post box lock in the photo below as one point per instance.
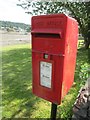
(45, 56)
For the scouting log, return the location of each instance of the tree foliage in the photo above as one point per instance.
(79, 10)
(13, 24)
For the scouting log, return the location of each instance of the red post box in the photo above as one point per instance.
(54, 47)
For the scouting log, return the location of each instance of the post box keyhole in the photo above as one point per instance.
(45, 56)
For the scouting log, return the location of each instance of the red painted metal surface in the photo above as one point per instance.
(56, 37)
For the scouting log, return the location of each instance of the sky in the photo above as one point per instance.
(9, 11)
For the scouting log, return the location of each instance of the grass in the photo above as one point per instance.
(17, 98)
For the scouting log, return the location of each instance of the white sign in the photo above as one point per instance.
(45, 74)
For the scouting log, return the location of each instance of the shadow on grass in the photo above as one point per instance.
(17, 96)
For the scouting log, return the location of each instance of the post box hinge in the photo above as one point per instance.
(43, 52)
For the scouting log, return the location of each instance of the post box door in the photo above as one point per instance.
(47, 73)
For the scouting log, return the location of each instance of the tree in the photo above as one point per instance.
(79, 10)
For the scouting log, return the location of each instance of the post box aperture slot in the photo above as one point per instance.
(47, 35)
(45, 74)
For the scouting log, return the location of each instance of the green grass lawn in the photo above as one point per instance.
(17, 98)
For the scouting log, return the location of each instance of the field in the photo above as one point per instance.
(17, 98)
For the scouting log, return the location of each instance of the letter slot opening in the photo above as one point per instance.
(47, 35)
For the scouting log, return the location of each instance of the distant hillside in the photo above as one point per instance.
(15, 25)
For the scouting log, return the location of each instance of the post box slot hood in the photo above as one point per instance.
(47, 34)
